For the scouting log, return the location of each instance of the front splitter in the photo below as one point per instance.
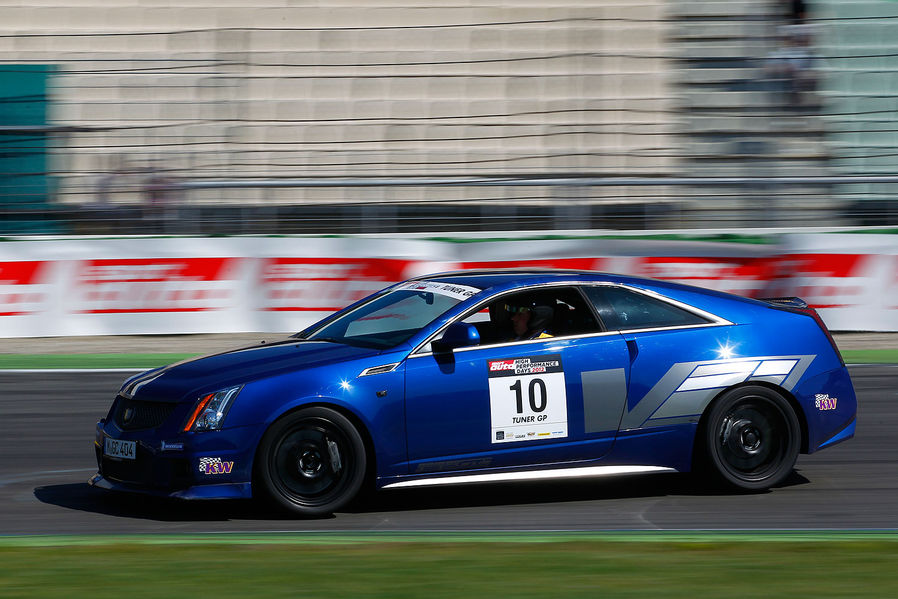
(219, 491)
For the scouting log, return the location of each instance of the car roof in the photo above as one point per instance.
(509, 278)
(513, 277)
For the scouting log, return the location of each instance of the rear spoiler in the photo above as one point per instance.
(798, 305)
(787, 302)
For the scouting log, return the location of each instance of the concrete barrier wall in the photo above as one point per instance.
(196, 285)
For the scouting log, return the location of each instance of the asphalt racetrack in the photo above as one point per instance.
(46, 443)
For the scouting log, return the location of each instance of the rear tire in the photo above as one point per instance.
(311, 462)
(751, 438)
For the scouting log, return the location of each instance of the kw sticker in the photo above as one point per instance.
(212, 466)
(823, 402)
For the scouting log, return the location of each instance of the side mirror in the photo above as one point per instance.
(458, 334)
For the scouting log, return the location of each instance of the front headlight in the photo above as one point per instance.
(210, 410)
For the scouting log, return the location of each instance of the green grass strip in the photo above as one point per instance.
(399, 569)
(870, 356)
(86, 361)
(341, 538)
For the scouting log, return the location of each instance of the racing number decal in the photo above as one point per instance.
(528, 401)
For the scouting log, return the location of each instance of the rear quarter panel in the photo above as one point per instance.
(759, 334)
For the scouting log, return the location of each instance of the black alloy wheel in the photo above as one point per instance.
(311, 462)
(751, 438)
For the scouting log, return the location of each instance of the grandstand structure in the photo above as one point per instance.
(145, 96)
(738, 115)
(860, 95)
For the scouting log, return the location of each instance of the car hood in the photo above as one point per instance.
(187, 380)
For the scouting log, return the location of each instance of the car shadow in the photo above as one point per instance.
(83, 497)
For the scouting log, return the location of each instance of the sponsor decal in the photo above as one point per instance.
(212, 466)
(471, 464)
(530, 365)
(501, 365)
(169, 446)
(528, 398)
(823, 402)
(459, 292)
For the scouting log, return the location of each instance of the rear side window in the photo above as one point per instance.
(622, 309)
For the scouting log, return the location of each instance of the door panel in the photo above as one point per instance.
(552, 400)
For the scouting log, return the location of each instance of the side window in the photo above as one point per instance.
(622, 309)
(534, 314)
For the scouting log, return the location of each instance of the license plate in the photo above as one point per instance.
(116, 448)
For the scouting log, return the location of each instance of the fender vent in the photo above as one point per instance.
(379, 369)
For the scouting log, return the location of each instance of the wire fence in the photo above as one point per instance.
(167, 120)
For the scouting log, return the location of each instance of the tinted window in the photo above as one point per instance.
(622, 309)
(556, 312)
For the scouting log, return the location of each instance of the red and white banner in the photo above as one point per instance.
(147, 286)
(23, 287)
(852, 280)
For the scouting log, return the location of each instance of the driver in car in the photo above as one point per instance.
(530, 320)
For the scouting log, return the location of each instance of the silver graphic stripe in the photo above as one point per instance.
(688, 387)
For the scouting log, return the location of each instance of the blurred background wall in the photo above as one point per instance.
(284, 116)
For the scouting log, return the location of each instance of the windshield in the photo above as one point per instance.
(392, 318)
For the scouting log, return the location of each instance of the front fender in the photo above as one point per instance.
(375, 402)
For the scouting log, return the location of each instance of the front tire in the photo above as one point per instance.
(751, 438)
(311, 462)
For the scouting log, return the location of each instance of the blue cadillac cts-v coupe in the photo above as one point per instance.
(479, 376)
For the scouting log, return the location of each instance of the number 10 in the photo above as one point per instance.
(536, 407)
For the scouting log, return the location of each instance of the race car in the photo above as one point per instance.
(489, 375)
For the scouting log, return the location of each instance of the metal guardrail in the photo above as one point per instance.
(571, 202)
(563, 202)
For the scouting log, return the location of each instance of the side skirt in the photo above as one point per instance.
(528, 475)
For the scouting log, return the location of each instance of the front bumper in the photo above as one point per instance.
(209, 465)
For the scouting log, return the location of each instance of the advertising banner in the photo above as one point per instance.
(255, 284)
